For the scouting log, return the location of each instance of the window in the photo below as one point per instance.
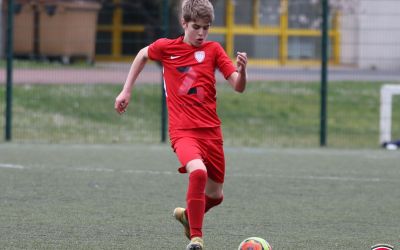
(103, 43)
(262, 47)
(244, 12)
(132, 42)
(219, 13)
(146, 12)
(304, 14)
(106, 13)
(308, 48)
(217, 38)
(269, 12)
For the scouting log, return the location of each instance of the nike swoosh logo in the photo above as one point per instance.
(174, 57)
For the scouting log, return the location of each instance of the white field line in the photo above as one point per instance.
(13, 166)
(154, 172)
(311, 177)
(95, 169)
(148, 172)
(307, 177)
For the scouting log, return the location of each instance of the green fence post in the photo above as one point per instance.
(9, 49)
(165, 20)
(324, 72)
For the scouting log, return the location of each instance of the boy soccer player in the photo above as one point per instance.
(189, 64)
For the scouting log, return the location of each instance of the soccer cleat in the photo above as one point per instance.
(196, 243)
(179, 214)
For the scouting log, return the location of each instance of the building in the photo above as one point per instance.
(273, 32)
(370, 35)
(362, 33)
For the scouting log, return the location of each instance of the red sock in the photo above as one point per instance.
(211, 202)
(195, 201)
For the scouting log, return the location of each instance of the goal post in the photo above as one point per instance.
(385, 120)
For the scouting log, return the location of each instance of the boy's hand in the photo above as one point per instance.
(122, 102)
(241, 61)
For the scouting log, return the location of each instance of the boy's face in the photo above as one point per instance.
(196, 32)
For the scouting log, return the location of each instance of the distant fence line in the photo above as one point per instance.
(291, 69)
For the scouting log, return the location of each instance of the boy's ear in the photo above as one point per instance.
(183, 23)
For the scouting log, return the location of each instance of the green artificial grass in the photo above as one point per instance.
(122, 197)
(278, 114)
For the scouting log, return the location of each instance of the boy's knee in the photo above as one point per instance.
(196, 164)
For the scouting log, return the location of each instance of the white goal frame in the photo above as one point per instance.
(385, 120)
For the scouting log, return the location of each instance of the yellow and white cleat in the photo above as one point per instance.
(179, 214)
(196, 243)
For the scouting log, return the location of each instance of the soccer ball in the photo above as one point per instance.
(254, 243)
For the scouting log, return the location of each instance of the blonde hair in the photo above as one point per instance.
(193, 10)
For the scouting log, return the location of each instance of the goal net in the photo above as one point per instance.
(387, 93)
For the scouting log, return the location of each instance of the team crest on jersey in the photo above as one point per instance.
(199, 55)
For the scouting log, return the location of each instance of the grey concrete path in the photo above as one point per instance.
(115, 73)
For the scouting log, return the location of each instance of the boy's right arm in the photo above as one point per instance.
(123, 99)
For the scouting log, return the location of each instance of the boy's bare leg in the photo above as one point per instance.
(214, 194)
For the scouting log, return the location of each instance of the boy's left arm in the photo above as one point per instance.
(238, 79)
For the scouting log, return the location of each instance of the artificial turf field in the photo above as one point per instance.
(122, 197)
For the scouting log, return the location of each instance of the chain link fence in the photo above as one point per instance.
(66, 76)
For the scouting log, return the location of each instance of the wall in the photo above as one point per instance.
(379, 34)
(349, 28)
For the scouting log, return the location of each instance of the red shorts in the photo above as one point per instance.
(210, 150)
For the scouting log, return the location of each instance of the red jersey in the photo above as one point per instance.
(189, 81)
